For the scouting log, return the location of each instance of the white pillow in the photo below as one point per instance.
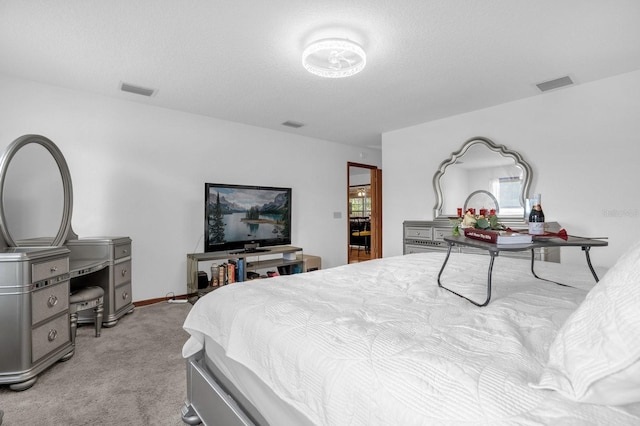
(595, 357)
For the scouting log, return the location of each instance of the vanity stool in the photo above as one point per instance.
(83, 299)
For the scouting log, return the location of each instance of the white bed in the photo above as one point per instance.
(378, 343)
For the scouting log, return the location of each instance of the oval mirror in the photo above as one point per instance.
(36, 203)
(480, 175)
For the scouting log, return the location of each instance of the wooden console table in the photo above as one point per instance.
(494, 250)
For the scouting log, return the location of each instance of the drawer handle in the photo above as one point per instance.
(53, 333)
(53, 269)
(124, 272)
(52, 301)
(125, 295)
(125, 251)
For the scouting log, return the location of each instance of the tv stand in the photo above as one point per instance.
(253, 259)
(249, 250)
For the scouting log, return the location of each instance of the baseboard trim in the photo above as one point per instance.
(157, 300)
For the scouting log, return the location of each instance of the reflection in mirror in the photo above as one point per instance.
(37, 200)
(33, 194)
(482, 175)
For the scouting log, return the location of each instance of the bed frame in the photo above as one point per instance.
(213, 400)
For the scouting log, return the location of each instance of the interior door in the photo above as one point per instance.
(364, 207)
(376, 213)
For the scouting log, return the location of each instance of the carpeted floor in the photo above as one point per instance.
(133, 374)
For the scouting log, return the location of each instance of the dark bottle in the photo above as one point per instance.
(536, 217)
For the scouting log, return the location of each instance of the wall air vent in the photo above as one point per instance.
(293, 124)
(131, 88)
(545, 86)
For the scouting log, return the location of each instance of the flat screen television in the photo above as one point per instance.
(244, 217)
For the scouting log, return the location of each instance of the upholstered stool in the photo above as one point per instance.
(81, 300)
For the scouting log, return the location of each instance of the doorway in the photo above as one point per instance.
(364, 207)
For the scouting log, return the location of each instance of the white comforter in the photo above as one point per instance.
(378, 343)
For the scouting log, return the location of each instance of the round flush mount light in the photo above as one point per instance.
(334, 58)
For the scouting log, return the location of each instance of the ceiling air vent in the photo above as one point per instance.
(131, 88)
(293, 124)
(555, 84)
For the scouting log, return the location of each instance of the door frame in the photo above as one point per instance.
(376, 209)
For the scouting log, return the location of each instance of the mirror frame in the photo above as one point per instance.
(500, 149)
(5, 161)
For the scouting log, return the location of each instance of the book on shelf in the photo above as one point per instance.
(231, 272)
(222, 274)
(240, 270)
(497, 237)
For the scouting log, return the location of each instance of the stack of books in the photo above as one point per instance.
(227, 273)
(497, 237)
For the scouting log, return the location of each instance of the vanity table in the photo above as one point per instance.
(38, 272)
(105, 262)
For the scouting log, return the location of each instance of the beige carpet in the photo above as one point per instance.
(133, 374)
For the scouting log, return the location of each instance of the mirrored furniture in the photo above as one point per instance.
(42, 260)
(480, 175)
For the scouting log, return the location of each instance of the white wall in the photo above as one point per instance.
(583, 143)
(139, 171)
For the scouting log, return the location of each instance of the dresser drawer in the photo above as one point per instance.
(122, 296)
(122, 273)
(418, 232)
(49, 301)
(45, 270)
(440, 233)
(122, 250)
(50, 336)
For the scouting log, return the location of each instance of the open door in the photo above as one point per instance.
(376, 213)
(364, 207)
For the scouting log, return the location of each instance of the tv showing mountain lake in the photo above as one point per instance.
(243, 216)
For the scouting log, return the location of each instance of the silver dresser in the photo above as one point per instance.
(421, 236)
(34, 312)
(105, 262)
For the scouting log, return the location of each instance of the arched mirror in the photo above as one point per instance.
(480, 175)
(36, 203)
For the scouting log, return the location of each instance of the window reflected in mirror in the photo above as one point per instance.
(507, 191)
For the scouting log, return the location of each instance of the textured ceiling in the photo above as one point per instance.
(240, 60)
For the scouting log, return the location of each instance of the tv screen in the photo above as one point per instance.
(243, 216)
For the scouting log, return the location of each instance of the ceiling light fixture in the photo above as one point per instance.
(334, 58)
